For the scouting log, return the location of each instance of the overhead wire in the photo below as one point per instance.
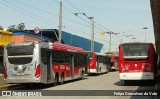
(37, 15)
(47, 12)
(32, 15)
(102, 28)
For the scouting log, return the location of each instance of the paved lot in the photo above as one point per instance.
(90, 85)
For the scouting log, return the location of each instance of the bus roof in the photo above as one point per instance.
(5, 32)
(137, 43)
(55, 46)
(100, 54)
(65, 47)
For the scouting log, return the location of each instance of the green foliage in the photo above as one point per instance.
(109, 53)
(11, 28)
(20, 27)
(1, 28)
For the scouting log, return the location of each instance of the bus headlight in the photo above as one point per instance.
(123, 68)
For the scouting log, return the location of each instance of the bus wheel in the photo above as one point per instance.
(99, 71)
(62, 79)
(126, 82)
(82, 74)
(56, 80)
(110, 68)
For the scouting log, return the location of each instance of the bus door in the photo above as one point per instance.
(97, 64)
(49, 66)
(46, 67)
(72, 65)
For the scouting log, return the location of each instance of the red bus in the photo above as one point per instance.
(114, 62)
(137, 61)
(42, 62)
(97, 63)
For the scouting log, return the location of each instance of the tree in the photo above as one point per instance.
(21, 26)
(1, 28)
(109, 53)
(11, 28)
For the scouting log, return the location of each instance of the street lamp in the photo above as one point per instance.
(145, 28)
(134, 39)
(111, 39)
(79, 13)
(128, 36)
(92, 29)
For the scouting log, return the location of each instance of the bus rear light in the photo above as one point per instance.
(149, 67)
(146, 66)
(38, 71)
(5, 73)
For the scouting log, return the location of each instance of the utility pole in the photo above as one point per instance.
(110, 43)
(41, 32)
(60, 23)
(145, 28)
(92, 34)
(92, 30)
(110, 33)
(121, 40)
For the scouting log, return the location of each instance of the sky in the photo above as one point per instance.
(125, 17)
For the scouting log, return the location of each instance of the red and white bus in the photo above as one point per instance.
(114, 63)
(42, 62)
(97, 63)
(137, 61)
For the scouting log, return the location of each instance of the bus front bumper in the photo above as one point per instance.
(92, 70)
(137, 76)
(22, 80)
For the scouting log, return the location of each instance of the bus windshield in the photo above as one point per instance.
(89, 55)
(22, 54)
(135, 51)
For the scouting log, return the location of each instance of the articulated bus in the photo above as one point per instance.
(97, 63)
(137, 61)
(42, 62)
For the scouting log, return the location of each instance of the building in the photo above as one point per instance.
(52, 35)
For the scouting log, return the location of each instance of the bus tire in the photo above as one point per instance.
(109, 68)
(56, 80)
(82, 74)
(100, 71)
(62, 79)
(126, 82)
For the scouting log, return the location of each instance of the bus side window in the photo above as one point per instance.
(82, 60)
(67, 57)
(55, 57)
(43, 56)
(61, 57)
(100, 59)
(75, 60)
